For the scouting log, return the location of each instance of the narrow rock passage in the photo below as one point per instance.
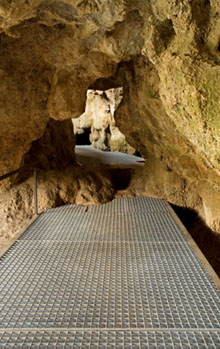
(117, 275)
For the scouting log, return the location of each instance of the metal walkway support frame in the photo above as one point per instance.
(120, 275)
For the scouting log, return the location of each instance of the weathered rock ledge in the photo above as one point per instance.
(74, 185)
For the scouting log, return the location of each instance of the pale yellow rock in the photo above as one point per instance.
(99, 117)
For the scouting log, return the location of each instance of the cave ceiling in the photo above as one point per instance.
(165, 54)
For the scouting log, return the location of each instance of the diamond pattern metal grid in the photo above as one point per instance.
(149, 205)
(132, 285)
(142, 222)
(105, 285)
(102, 226)
(54, 220)
(110, 339)
(134, 204)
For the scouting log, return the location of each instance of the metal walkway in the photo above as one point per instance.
(120, 275)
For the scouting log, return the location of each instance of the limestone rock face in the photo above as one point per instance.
(165, 55)
(73, 185)
(99, 118)
(55, 149)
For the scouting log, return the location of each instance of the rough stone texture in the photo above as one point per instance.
(60, 180)
(55, 149)
(99, 117)
(165, 54)
(76, 185)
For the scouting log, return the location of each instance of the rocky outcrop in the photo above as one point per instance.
(72, 185)
(165, 55)
(55, 149)
(99, 118)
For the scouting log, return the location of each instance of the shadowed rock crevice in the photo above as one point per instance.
(201, 15)
(166, 32)
(121, 178)
(55, 149)
(207, 240)
(83, 138)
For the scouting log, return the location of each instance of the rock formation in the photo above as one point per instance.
(59, 180)
(72, 185)
(165, 55)
(99, 118)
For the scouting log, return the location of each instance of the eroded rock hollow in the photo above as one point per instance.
(165, 55)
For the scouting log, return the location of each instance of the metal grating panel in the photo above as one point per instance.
(55, 220)
(105, 285)
(149, 205)
(110, 339)
(139, 222)
(135, 204)
(99, 226)
(115, 279)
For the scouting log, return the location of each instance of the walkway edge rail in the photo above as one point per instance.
(9, 174)
(196, 249)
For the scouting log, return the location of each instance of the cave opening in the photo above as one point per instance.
(142, 77)
(99, 140)
(122, 173)
(97, 125)
(83, 138)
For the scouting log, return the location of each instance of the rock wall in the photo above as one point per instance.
(99, 117)
(72, 185)
(55, 149)
(165, 55)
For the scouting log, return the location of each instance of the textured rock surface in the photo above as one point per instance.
(55, 149)
(99, 117)
(165, 54)
(76, 185)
